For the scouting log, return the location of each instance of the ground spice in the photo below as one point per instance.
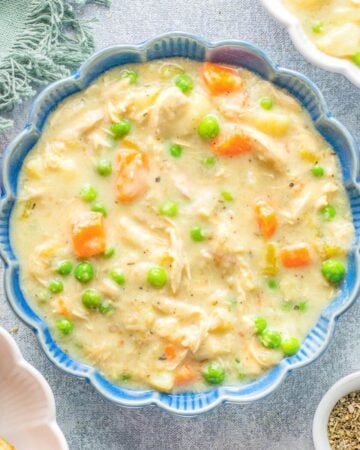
(344, 423)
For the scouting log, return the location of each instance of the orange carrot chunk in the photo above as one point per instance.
(297, 255)
(185, 374)
(221, 79)
(234, 145)
(132, 174)
(88, 234)
(266, 218)
(170, 351)
(63, 309)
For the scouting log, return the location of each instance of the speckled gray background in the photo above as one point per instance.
(283, 421)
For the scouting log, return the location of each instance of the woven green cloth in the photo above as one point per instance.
(40, 41)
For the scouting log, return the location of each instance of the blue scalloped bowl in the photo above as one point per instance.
(230, 52)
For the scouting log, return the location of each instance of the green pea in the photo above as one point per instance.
(197, 234)
(169, 208)
(104, 167)
(184, 82)
(210, 161)
(318, 26)
(290, 346)
(118, 276)
(124, 377)
(241, 376)
(84, 272)
(56, 286)
(227, 196)
(91, 299)
(272, 284)
(260, 324)
(132, 75)
(328, 212)
(302, 306)
(88, 193)
(109, 252)
(121, 128)
(65, 268)
(270, 339)
(356, 58)
(106, 307)
(175, 150)
(333, 270)
(65, 326)
(266, 103)
(209, 127)
(157, 277)
(100, 208)
(317, 171)
(214, 373)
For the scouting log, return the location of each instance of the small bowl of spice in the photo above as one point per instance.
(337, 418)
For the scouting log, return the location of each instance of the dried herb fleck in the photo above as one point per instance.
(344, 423)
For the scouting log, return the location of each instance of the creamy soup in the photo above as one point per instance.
(333, 25)
(181, 224)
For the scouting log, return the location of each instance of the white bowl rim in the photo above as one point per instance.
(307, 48)
(19, 362)
(341, 388)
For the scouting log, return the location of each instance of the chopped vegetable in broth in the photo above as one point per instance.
(181, 225)
(332, 25)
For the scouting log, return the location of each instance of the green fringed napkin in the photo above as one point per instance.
(40, 41)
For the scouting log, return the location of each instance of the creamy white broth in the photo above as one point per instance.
(333, 25)
(166, 337)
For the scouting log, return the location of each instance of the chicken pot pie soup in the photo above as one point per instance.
(332, 25)
(181, 224)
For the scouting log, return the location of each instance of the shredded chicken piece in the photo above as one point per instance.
(169, 105)
(41, 259)
(205, 204)
(137, 234)
(307, 197)
(215, 346)
(180, 265)
(182, 323)
(266, 149)
(79, 123)
(182, 184)
(263, 356)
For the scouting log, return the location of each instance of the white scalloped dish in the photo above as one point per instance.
(28, 419)
(306, 47)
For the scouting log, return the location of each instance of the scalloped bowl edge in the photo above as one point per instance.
(191, 46)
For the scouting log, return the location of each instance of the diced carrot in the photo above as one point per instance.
(297, 255)
(266, 218)
(221, 79)
(234, 145)
(62, 308)
(132, 174)
(88, 234)
(185, 374)
(170, 351)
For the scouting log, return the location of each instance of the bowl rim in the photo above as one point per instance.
(306, 47)
(342, 387)
(19, 362)
(195, 403)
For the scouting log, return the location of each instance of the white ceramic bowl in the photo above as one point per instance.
(341, 388)
(306, 47)
(27, 418)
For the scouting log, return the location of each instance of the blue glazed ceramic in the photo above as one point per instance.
(230, 52)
